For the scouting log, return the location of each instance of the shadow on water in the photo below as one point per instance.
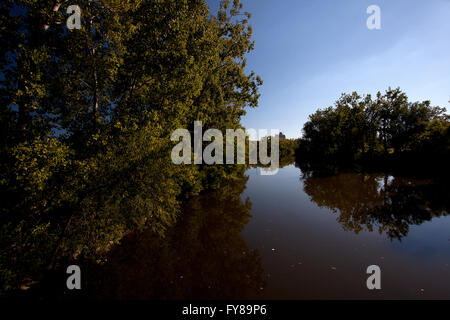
(203, 257)
(374, 202)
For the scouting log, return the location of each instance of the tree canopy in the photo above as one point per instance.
(386, 130)
(87, 114)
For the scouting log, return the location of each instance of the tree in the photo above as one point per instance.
(87, 116)
(351, 132)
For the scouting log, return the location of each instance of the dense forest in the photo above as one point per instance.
(387, 132)
(87, 115)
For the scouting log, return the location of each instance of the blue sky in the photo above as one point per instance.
(309, 52)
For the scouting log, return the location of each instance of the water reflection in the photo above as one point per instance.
(290, 247)
(203, 257)
(382, 203)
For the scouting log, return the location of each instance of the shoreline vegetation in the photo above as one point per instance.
(386, 133)
(87, 119)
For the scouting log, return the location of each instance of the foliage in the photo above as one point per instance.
(87, 115)
(369, 132)
(287, 151)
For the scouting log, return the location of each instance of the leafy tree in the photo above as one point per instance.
(87, 115)
(366, 132)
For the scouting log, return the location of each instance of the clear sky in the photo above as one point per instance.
(309, 52)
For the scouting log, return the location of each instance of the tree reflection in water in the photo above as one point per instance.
(379, 202)
(203, 257)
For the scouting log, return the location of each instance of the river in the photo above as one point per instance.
(291, 236)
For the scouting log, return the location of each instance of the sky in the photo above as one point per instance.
(310, 52)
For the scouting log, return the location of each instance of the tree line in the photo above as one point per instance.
(382, 132)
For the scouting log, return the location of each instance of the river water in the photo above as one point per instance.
(291, 236)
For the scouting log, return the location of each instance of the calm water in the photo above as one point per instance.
(292, 237)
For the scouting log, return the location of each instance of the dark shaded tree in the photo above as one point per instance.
(87, 114)
(384, 132)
